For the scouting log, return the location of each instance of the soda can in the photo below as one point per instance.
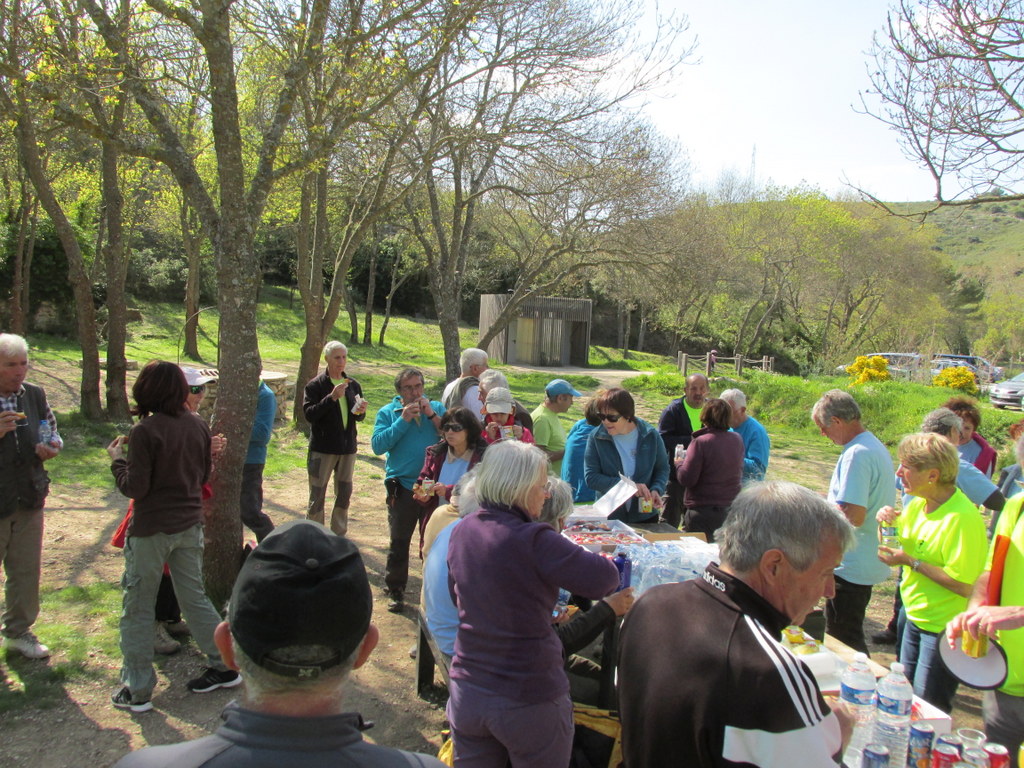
(974, 646)
(954, 741)
(875, 756)
(944, 755)
(920, 747)
(977, 757)
(998, 755)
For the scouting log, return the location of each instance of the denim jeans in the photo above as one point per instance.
(924, 669)
(144, 558)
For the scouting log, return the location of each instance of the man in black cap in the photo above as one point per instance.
(298, 623)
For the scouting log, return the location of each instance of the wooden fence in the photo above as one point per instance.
(709, 367)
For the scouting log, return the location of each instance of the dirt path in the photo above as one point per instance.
(50, 720)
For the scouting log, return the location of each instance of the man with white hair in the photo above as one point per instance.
(861, 485)
(731, 694)
(299, 622)
(333, 405)
(25, 417)
(756, 444)
(465, 390)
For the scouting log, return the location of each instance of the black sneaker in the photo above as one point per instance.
(123, 700)
(212, 679)
(885, 637)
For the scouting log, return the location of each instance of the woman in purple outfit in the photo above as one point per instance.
(509, 700)
(712, 471)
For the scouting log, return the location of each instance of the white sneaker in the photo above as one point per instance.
(27, 645)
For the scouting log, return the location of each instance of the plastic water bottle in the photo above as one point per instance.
(858, 692)
(45, 433)
(892, 714)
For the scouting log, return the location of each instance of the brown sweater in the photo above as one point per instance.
(168, 460)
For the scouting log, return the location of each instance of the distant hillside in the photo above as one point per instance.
(985, 241)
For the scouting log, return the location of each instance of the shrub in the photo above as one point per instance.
(867, 370)
(957, 377)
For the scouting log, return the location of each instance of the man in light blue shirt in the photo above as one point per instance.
(756, 444)
(861, 485)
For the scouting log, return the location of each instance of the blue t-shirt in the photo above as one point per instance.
(573, 461)
(438, 606)
(863, 476)
(755, 449)
(452, 471)
(626, 446)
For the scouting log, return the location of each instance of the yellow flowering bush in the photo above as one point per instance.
(957, 377)
(866, 370)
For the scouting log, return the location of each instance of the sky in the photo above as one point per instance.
(773, 86)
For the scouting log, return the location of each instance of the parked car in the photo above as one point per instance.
(1007, 393)
(984, 370)
(940, 364)
(902, 365)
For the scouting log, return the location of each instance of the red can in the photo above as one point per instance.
(944, 756)
(998, 755)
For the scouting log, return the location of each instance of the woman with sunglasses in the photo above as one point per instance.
(461, 448)
(630, 446)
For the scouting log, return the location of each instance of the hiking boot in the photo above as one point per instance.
(177, 628)
(163, 642)
(212, 679)
(27, 645)
(396, 601)
(123, 700)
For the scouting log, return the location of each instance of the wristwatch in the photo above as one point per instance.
(915, 565)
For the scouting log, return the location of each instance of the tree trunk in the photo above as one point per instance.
(191, 241)
(23, 259)
(85, 315)
(627, 332)
(353, 316)
(371, 284)
(643, 329)
(116, 270)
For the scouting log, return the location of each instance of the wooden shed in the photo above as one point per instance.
(548, 330)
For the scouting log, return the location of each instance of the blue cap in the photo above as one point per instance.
(558, 387)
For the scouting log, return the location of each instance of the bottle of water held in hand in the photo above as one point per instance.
(892, 714)
(45, 433)
(858, 692)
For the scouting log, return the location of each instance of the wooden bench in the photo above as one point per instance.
(428, 656)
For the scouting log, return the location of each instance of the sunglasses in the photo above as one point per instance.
(198, 389)
(613, 418)
(452, 428)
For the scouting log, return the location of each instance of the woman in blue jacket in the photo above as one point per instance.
(623, 443)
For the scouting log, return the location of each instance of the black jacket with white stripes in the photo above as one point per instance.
(704, 682)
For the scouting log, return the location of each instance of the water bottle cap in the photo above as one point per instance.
(860, 656)
(897, 668)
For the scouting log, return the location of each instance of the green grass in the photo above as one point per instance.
(84, 655)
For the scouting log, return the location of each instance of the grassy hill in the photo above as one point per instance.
(984, 241)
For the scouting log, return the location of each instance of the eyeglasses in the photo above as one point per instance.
(198, 389)
(612, 417)
(452, 428)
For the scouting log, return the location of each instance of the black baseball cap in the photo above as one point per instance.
(302, 585)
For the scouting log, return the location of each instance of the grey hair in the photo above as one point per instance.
(784, 516)
(942, 421)
(12, 345)
(470, 357)
(507, 471)
(262, 684)
(465, 489)
(836, 404)
(491, 378)
(558, 505)
(330, 346)
(1018, 450)
(735, 398)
